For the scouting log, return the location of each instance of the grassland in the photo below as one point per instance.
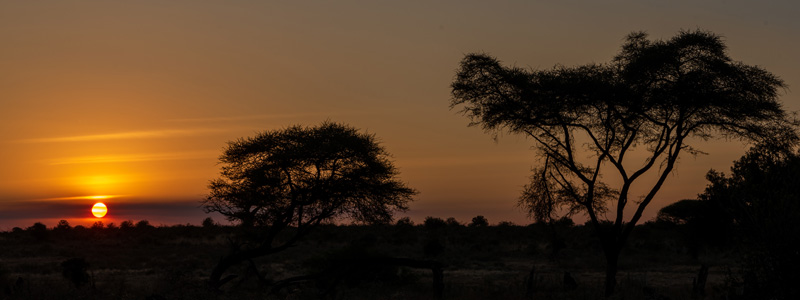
(493, 262)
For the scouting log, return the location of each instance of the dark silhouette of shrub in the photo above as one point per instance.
(404, 232)
(479, 221)
(143, 224)
(760, 195)
(506, 224)
(63, 225)
(39, 231)
(702, 223)
(404, 222)
(209, 223)
(564, 222)
(126, 225)
(98, 226)
(434, 224)
(79, 230)
(452, 222)
(76, 271)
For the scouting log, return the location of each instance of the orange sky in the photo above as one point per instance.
(136, 99)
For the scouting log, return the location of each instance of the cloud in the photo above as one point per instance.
(95, 197)
(455, 161)
(238, 118)
(125, 135)
(263, 117)
(133, 158)
(24, 213)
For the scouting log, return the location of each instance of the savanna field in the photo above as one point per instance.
(479, 262)
(357, 150)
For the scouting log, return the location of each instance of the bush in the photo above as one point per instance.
(76, 271)
(479, 221)
(39, 231)
(433, 223)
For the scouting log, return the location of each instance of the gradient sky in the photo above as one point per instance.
(134, 100)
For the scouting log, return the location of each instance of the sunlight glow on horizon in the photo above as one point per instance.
(130, 158)
(92, 197)
(124, 135)
(99, 105)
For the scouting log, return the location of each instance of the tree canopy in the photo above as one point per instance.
(761, 196)
(653, 97)
(300, 177)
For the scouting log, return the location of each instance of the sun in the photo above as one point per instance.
(99, 209)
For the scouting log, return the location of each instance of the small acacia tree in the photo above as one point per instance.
(280, 184)
(654, 97)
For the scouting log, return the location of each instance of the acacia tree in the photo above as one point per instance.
(653, 98)
(281, 184)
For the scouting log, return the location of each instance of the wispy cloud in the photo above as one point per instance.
(263, 117)
(93, 197)
(128, 158)
(454, 161)
(124, 135)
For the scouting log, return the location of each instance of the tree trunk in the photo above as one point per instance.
(530, 283)
(215, 280)
(612, 257)
(699, 283)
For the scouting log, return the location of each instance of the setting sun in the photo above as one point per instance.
(99, 210)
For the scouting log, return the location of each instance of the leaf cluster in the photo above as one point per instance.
(653, 95)
(760, 194)
(303, 176)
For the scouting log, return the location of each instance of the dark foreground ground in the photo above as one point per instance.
(493, 262)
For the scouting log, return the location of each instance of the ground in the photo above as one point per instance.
(492, 262)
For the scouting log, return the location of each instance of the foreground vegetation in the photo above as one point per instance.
(479, 262)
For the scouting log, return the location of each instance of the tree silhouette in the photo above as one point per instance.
(761, 196)
(404, 222)
(654, 98)
(143, 225)
(39, 231)
(479, 221)
(126, 225)
(434, 223)
(63, 225)
(452, 222)
(701, 222)
(209, 223)
(97, 226)
(684, 211)
(290, 181)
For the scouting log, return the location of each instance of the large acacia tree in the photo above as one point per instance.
(281, 184)
(653, 98)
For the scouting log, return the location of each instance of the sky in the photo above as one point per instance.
(132, 102)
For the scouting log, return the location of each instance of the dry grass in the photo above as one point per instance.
(481, 263)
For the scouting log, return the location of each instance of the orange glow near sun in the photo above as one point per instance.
(99, 209)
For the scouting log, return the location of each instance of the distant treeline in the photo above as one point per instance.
(549, 236)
